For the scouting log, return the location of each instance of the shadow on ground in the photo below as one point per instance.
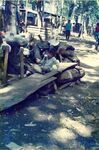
(66, 120)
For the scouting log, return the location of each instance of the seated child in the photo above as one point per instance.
(49, 62)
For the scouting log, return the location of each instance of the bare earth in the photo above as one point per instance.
(67, 120)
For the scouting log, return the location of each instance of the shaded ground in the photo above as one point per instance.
(67, 120)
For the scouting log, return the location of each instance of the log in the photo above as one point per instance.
(21, 63)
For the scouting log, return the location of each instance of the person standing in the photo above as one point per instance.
(68, 29)
(80, 30)
(97, 36)
(97, 30)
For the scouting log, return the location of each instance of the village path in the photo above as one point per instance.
(67, 120)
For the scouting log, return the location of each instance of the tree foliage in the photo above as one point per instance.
(89, 9)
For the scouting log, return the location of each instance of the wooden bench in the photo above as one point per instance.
(20, 90)
(62, 67)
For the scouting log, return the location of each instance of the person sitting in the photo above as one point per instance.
(35, 59)
(49, 62)
(31, 47)
(54, 44)
(67, 53)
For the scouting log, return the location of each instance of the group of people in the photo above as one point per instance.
(45, 56)
(39, 56)
(68, 28)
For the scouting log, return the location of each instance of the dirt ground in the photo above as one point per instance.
(66, 120)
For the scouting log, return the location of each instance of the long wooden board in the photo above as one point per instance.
(62, 67)
(20, 90)
(17, 92)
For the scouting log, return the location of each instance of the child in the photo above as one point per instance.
(49, 62)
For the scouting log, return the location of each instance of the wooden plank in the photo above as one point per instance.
(62, 67)
(19, 91)
(45, 76)
(5, 66)
(65, 85)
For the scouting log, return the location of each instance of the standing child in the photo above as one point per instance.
(68, 29)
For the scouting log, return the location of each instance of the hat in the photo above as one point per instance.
(54, 42)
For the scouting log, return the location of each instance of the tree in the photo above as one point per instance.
(85, 11)
(7, 14)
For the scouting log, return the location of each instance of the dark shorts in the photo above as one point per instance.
(68, 32)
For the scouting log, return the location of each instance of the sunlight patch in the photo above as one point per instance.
(39, 115)
(14, 146)
(91, 60)
(90, 78)
(76, 126)
(51, 106)
(5, 90)
(62, 135)
(73, 100)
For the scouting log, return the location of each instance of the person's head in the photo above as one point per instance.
(97, 24)
(11, 34)
(69, 21)
(50, 54)
(31, 36)
(31, 41)
(61, 50)
(70, 48)
(53, 41)
(22, 20)
(80, 24)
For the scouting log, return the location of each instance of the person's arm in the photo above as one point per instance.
(55, 62)
(37, 54)
(6, 46)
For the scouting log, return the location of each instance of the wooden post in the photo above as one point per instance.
(21, 63)
(55, 86)
(40, 38)
(5, 65)
(46, 31)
